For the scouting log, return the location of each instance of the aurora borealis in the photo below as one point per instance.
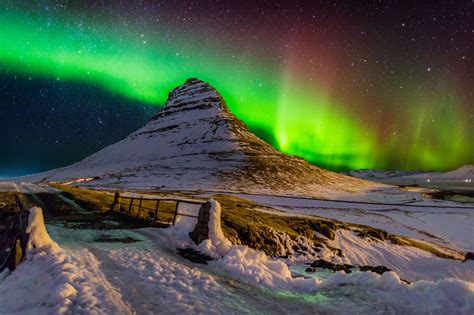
(345, 86)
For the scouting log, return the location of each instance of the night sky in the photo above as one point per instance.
(344, 84)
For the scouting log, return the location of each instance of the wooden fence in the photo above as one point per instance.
(154, 209)
(13, 236)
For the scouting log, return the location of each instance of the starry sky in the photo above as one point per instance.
(343, 84)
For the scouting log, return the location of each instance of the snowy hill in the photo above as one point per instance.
(462, 173)
(195, 142)
(380, 174)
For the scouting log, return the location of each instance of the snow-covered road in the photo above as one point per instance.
(145, 277)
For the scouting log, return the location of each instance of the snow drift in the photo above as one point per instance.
(49, 281)
(256, 268)
(39, 239)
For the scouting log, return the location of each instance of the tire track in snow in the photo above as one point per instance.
(139, 300)
(116, 304)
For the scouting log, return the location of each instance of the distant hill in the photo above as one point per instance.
(462, 173)
(379, 174)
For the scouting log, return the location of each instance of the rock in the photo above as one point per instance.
(469, 256)
(104, 238)
(325, 228)
(194, 256)
(377, 269)
(374, 233)
(201, 230)
(321, 263)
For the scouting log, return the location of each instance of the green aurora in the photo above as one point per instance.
(297, 117)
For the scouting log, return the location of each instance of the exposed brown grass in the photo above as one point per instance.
(89, 199)
(242, 224)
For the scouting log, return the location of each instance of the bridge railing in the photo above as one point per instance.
(157, 209)
(13, 236)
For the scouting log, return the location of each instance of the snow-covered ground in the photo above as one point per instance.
(445, 223)
(460, 179)
(195, 142)
(84, 276)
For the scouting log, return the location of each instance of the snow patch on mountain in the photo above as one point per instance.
(462, 173)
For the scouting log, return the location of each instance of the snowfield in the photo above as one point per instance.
(445, 223)
(81, 276)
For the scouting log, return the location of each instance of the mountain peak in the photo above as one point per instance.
(195, 142)
(190, 94)
(192, 85)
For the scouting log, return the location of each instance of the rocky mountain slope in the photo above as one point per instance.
(195, 142)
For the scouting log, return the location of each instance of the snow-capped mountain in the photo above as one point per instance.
(195, 142)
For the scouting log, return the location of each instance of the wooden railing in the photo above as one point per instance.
(13, 237)
(151, 208)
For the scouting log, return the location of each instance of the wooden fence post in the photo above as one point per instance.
(17, 203)
(120, 202)
(175, 212)
(116, 199)
(201, 229)
(130, 207)
(140, 207)
(156, 210)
